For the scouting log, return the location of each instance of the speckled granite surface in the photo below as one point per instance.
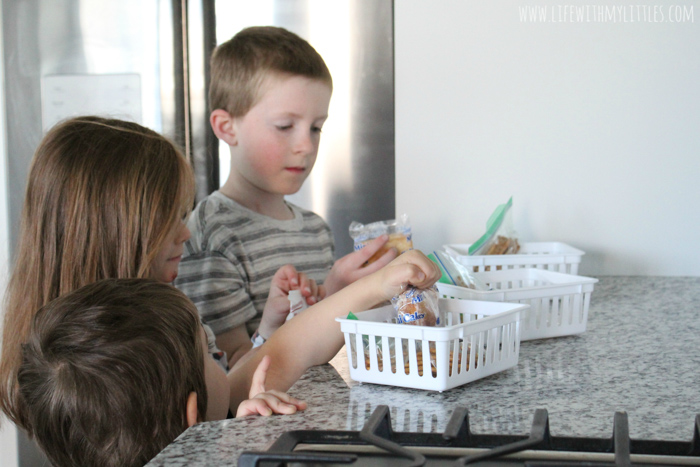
(640, 354)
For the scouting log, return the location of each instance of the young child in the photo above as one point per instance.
(115, 371)
(269, 94)
(105, 199)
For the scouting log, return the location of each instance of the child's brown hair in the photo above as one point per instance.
(239, 66)
(107, 371)
(102, 195)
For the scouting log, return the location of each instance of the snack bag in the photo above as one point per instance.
(500, 237)
(297, 303)
(455, 273)
(399, 231)
(418, 307)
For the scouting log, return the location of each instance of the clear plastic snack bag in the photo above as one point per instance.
(455, 273)
(418, 307)
(500, 237)
(399, 231)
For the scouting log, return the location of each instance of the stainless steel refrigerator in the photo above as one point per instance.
(147, 61)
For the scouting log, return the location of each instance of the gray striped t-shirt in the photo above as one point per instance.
(233, 253)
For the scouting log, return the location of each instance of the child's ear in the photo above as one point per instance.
(191, 410)
(222, 124)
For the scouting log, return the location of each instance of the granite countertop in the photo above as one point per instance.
(639, 354)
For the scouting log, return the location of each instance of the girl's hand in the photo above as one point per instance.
(264, 402)
(277, 306)
(350, 267)
(412, 267)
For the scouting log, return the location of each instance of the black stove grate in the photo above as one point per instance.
(491, 447)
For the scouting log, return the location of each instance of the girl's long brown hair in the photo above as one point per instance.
(102, 195)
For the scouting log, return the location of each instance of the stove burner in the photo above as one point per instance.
(540, 448)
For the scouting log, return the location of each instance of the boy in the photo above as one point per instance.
(270, 92)
(116, 370)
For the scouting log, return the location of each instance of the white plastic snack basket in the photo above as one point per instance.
(479, 339)
(553, 256)
(558, 302)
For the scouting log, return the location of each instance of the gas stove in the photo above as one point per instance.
(377, 444)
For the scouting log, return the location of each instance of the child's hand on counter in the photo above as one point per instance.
(264, 402)
(351, 267)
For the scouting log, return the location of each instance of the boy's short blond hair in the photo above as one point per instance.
(108, 369)
(240, 65)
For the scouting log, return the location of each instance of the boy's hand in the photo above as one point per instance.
(350, 267)
(412, 267)
(264, 402)
(277, 306)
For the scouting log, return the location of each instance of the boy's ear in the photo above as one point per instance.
(191, 410)
(222, 124)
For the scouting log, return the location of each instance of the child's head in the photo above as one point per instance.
(113, 372)
(103, 194)
(240, 65)
(269, 94)
(105, 199)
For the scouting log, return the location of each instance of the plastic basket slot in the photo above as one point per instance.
(390, 345)
(350, 343)
(412, 357)
(371, 351)
(399, 356)
(586, 304)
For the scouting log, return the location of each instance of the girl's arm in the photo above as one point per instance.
(314, 337)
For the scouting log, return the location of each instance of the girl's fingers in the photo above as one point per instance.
(257, 384)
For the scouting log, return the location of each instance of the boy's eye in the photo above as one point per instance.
(284, 127)
(316, 129)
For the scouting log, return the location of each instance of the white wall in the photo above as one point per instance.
(592, 127)
(8, 432)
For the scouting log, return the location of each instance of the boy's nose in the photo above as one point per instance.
(304, 144)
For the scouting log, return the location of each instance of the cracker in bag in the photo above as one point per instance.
(500, 237)
(399, 231)
(418, 307)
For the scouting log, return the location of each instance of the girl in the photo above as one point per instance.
(108, 199)
(105, 199)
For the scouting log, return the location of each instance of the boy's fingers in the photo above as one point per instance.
(288, 274)
(383, 260)
(257, 384)
(280, 404)
(363, 254)
(305, 284)
(252, 407)
(321, 292)
(287, 399)
(313, 288)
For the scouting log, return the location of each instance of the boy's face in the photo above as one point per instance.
(217, 384)
(277, 140)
